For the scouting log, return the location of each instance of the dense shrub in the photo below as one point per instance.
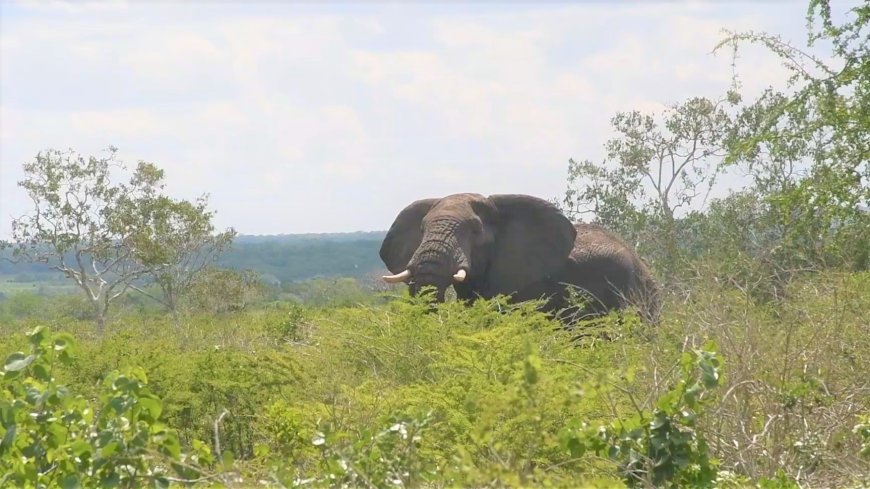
(501, 396)
(52, 437)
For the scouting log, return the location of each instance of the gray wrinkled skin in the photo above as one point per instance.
(520, 246)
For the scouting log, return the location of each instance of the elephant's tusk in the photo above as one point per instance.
(401, 277)
(460, 275)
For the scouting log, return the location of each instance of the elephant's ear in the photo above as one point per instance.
(533, 242)
(404, 236)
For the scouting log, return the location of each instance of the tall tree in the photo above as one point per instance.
(808, 145)
(176, 245)
(654, 166)
(103, 235)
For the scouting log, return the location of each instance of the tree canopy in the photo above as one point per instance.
(106, 234)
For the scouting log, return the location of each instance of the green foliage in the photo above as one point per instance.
(221, 290)
(22, 304)
(804, 148)
(52, 437)
(179, 243)
(44, 308)
(655, 166)
(330, 386)
(664, 446)
(210, 366)
(402, 395)
(807, 146)
(106, 235)
(294, 325)
(331, 292)
(499, 396)
(389, 457)
(792, 396)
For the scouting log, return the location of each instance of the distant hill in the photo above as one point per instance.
(295, 257)
(282, 257)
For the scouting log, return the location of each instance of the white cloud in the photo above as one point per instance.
(168, 59)
(74, 7)
(272, 107)
(122, 123)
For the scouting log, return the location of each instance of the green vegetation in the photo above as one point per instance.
(479, 396)
(756, 376)
(53, 437)
(106, 236)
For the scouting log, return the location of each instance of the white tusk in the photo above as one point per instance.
(460, 275)
(392, 279)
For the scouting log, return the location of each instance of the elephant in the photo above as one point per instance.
(519, 246)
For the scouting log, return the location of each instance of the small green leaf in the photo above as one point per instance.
(659, 421)
(138, 374)
(123, 384)
(109, 449)
(9, 375)
(261, 451)
(531, 368)
(41, 373)
(70, 482)
(575, 447)
(36, 335)
(8, 438)
(64, 357)
(62, 341)
(152, 405)
(709, 373)
(110, 480)
(57, 435)
(171, 446)
(17, 361)
(160, 482)
(80, 448)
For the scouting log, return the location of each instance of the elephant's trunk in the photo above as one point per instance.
(439, 258)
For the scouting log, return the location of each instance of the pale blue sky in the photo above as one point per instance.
(326, 117)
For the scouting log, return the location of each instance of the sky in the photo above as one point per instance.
(332, 116)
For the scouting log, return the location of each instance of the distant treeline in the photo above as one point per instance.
(289, 261)
(285, 258)
(7, 267)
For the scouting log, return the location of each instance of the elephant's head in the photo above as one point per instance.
(485, 246)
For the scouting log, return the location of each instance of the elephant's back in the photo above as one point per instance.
(626, 270)
(595, 241)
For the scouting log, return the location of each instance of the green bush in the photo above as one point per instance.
(199, 372)
(501, 396)
(662, 446)
(52, 437)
